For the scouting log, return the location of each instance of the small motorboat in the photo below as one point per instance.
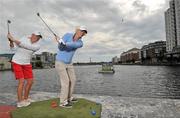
(107, 68)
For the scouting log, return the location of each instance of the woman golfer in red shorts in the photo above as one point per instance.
(22, 68)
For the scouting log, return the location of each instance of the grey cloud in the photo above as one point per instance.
(98, 15)
(139, 6)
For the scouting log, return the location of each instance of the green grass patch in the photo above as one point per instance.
(42, 109)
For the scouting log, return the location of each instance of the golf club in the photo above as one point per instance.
(11, 43)
(38, 14)
(8, 22)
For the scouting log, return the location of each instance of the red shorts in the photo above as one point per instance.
(22, 71)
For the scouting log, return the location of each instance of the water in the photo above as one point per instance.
(128, 81)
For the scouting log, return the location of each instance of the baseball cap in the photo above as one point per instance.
(37, 34)
(83, 28)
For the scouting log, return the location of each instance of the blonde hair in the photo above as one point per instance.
(77, 28)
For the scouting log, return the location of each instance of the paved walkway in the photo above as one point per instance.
(5, 111)
(119, 107)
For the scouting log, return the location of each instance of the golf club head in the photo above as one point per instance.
(38, 14)
(8, 21)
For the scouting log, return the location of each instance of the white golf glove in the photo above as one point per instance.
(61, 41)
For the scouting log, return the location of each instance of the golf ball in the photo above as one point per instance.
(93, 112)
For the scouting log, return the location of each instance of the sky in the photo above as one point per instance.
(114, 26)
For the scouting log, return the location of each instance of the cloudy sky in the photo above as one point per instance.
(113, 26)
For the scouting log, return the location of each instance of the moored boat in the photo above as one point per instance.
(107, 68)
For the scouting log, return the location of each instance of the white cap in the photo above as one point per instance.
(83, 28)
(37, 33)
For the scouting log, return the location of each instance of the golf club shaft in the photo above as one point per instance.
(10, 42)
(47, 26)
(8, 27)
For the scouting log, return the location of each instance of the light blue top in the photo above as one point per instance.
(66, 52)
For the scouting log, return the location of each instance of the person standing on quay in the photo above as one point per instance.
(67, 46)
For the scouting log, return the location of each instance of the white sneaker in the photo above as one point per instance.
(72, 99)
(23, 104)
(29, 100)
(65, 104)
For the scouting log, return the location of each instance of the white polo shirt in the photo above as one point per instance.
(24, 51)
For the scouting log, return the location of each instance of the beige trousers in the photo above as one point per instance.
(67, 80)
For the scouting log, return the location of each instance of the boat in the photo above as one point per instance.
(107, 68)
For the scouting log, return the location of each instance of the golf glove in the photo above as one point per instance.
(61, 41)
(61, 45)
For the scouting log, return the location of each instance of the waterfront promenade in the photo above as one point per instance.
(118, 107)
(132, 92)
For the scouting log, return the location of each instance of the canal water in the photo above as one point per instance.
(127, 81)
